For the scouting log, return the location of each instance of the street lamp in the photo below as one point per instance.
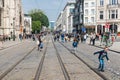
(13, 29)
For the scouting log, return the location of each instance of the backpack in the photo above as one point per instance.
(74, 44)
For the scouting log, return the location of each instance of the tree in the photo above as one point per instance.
(36, 26)
(38, 15)
(44, 20)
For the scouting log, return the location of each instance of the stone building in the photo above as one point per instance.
(27, 29)
(89, 15)
(108, 18)
(64, 21)
(11, 17)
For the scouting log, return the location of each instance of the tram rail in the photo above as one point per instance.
(13, 66)
(39, 70)
(97, 72)
(64, 70)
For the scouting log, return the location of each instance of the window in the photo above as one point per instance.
(109, 14)
(71, 10)
(81, 18)
(112, 14)
(113, 2)
(101, 14)
(86, 4)
(86, 19)
(92, 19)
(116, 14)
(92, 4)
(86, 12)
(92, 11)
(81, 8)
(101, 2)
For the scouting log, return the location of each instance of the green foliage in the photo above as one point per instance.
(38, 15)
(44, 20)
(36, 26)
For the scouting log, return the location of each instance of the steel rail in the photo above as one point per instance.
(13, 66)
(39, 70)
(64, 70)
(97, 72)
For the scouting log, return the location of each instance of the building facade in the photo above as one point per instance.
(78, 19)
(58, 23)
(108, 18)
(27, 29)
(11, 17)
(62, 22)
(89, 15)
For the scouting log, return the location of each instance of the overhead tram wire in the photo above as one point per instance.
(36, 2)
(59, 8)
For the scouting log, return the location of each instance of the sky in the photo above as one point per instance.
(51, 8)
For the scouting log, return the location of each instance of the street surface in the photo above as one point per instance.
(24, 62)
(85, 51)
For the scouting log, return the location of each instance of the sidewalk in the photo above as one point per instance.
(9, 43)
(115, 47)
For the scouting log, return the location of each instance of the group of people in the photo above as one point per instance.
(107, 39)
(64, 37)
(102, 53)
(77, 38)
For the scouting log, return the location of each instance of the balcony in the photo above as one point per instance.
(113, 6)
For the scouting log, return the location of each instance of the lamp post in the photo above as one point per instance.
(13, 29)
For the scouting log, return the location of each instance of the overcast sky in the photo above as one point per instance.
(51, 8)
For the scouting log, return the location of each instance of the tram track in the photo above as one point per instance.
(64, 70)
(39, 70)
(96, 71)
(13, 66)
(7, 71)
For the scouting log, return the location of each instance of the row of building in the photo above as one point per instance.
(12, 19)
(90, 16)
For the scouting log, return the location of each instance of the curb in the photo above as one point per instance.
(109, 49)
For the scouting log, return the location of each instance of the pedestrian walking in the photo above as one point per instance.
(38, 42)
(41, 46)
(75, 44)
(91, 38)
(112, 37)
(62, 37)
(58, 36)
(85, 37)
(55, 37)
(102, 55)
